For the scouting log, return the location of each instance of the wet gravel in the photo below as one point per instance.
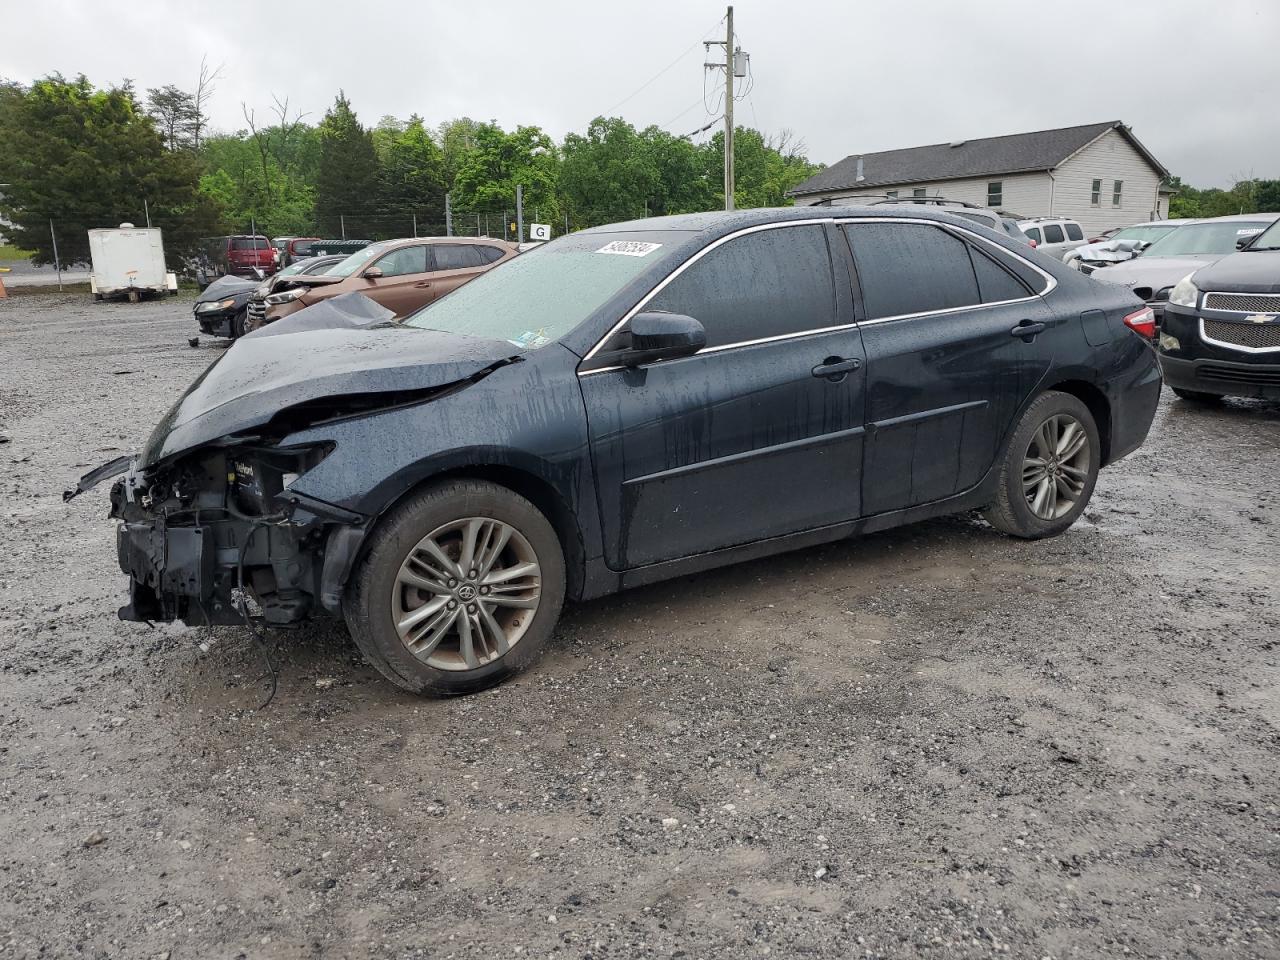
(930, 742)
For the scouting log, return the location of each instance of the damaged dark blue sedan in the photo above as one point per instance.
(624, 405)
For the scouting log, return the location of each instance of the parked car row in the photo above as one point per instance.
(620, 406)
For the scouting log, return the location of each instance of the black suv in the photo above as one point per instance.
(1221, 333)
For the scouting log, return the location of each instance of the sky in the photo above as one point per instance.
(1195, 79)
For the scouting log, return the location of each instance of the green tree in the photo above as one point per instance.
(411, 174)
(174, 113)
(347, 177)
(486, 180)
(89, 158)
(457, 138)
(609, 173)
(1268, 196)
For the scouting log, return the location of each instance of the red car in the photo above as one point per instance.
(239, 255)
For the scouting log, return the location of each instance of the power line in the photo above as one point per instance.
(697, 43)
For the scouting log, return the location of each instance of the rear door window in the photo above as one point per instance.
(457, 256)
(907, 268)
(1074, 232)
(404, 261)
(764, 284)
(1033, 233)
(1053, 233)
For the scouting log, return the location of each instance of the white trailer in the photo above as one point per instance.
(128, 261)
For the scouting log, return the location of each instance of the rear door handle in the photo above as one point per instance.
(1027, 330)
(835, 368)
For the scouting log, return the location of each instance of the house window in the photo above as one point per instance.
(995, 193)
(1095, 197)
(918, 192)
(892, 194)
(1115, 193)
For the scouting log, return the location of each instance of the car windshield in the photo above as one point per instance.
(1270, 239)
(1198, 238)
(345, 268)
(541, 295)
(1149, 234)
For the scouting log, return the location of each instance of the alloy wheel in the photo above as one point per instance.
(1055, 467)
(466, 593)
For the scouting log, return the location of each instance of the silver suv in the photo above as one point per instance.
(1056, 236)
(992, 219)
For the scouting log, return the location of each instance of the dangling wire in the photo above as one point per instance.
(241, 599)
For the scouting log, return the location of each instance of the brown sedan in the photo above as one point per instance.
(401, 275)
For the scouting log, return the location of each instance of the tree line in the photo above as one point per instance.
(87, 157)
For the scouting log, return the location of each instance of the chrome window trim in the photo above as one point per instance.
(1051, 282)
(1206, 294)
(1233, 346)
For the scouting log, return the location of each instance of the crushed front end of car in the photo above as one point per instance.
(201, 534)
(208, 523)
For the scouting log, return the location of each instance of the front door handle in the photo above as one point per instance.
(1027, 330)
(835, 368)
(422, 284)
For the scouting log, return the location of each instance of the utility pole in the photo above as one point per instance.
(448, 215)
(734, 61)
(728, 112)
(519, 213)
(415, 226)
(57, 264)
(147, 211)
(342, 224)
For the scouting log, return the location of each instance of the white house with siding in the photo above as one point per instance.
(1098, 174)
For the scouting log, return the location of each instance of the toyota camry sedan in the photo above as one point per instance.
(623, 405)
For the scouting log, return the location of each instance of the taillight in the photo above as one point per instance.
(1142, 321)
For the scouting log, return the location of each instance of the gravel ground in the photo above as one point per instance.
(929, 742)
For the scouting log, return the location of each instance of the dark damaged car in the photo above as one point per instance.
(624, 405)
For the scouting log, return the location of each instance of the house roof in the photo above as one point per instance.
(990, 156)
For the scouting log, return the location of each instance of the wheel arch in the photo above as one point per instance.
(537, 490)
(1099, 406)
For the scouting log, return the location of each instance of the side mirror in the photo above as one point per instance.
(373, 273)
(662, 336)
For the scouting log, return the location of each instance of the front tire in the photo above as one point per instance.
(1196, 396)
(1050, 468)
(238, 324)
(461, 587)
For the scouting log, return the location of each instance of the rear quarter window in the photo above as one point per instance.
(1074, 232)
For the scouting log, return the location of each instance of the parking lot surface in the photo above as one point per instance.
(934, 741)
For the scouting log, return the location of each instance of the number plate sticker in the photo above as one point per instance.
(629, 248)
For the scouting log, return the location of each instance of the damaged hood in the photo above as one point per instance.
(227, 286)
(1154, 272)
(260, 377)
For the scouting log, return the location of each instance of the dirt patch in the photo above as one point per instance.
(934, 741)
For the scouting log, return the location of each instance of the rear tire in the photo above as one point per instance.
(1050, 468)
(1196, 396)
(434, 611)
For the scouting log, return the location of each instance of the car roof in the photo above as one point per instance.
(1240, 218)
(410, 241)
(720, 222)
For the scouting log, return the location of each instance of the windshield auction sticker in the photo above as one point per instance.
(629, 248)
